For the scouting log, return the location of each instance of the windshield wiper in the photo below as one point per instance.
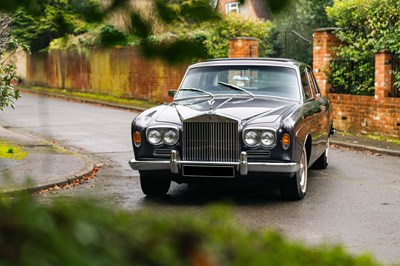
(231, 86)
(197, 90)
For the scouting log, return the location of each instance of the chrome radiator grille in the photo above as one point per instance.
(211, 141)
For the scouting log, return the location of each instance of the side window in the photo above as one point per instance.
(232, 7)
(305, 83)
(315, 82)
(311, 80)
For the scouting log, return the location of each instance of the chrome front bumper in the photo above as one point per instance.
(243, 166)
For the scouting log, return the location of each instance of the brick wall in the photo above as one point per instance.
(243, 47)
(383, 75)
(324, 42)
(378, 114)
(117, 72)
(366, 114)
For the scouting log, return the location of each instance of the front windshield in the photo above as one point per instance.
(240, 80)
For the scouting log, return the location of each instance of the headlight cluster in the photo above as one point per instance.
(167, 136)
(256, 137)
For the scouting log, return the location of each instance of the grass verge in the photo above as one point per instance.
(371, 136)
(11, 151)
(91, 97)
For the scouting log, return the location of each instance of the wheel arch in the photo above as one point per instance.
(308, 146)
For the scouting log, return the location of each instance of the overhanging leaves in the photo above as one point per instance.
(198, 11)
(139, 26)
(169, 11)
(175, 52)
(276, 6)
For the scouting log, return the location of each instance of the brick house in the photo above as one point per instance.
(250, 8)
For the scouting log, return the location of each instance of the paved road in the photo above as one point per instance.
(356, 201)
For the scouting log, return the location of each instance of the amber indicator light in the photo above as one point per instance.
(286, 141)
(137, 138)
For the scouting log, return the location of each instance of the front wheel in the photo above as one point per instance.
(154, 185)
(295, 188)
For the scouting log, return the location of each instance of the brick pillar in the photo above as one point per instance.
(324, 42)
(383, 74)
(243, 47)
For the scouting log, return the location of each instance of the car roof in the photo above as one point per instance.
(249, 61)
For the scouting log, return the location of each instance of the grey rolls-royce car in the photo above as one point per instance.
(236, 120)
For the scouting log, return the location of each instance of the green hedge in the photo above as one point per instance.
(83, 234)
(365, 28)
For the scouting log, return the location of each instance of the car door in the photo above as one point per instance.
(324, 115)
(321, 109)
(313, 113)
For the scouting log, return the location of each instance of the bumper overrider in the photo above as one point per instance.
(174, 164)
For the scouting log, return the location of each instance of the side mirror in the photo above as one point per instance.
(171, 93)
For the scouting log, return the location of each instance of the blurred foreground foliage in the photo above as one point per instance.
(40, 22)
(212, 38)
(83, 234)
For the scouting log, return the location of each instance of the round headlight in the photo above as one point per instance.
(154, 136)
(268, 138)
(170, 137)
(251, 138)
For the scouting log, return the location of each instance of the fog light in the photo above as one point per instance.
(137, 138)
(285, 141)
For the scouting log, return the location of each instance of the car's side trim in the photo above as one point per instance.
(243, 166)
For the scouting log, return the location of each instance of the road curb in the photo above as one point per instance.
(68, 179)
(89, 166)
(65, 180)
(364, 147)
(83, 100)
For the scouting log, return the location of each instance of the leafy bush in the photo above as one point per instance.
(111, 36)
(211, 39)
(82, 234)
(352, 77)
(8, 76)
(218, 34)
(102, 35)
(7, 92)
(53, 19)
(366, 27)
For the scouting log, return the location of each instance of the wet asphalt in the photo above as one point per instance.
(354, 202)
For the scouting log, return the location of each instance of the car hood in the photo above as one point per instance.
(264, 109)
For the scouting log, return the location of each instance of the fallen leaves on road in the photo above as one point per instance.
(74, 182)
(357, 149)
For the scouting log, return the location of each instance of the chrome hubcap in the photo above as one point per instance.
(327, 151)
(303, 173)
